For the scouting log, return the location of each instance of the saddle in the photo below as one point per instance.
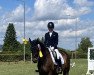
(58, 67)
(58, 61)
(54, 54)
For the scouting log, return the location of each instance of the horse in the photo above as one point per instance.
(41, 55)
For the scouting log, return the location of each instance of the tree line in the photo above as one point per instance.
(12, 45)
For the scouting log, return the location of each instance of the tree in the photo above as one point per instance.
(42, 39)
(84, 44)
(10, 42)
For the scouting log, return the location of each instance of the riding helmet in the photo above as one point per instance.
(50, 25)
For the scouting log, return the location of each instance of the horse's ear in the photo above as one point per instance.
(30, 41)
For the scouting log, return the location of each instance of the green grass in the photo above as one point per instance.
(80, 67)
(28, 68)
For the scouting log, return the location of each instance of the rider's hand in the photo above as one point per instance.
(52, 48)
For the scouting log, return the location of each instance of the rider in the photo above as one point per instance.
(51, 42)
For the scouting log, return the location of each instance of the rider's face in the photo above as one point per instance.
(50, 29)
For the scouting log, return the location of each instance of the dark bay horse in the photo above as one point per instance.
(45, 63)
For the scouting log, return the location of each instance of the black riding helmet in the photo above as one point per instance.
(50, 25)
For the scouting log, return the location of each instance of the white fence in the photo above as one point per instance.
(90, 70)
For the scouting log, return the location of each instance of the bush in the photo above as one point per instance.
(13, 57)
(82, 55)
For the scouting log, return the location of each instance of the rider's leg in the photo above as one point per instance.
(59, 56)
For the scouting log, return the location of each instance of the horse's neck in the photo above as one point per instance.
(44, 50)
(42, 61)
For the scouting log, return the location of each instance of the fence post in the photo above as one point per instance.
(31, 57)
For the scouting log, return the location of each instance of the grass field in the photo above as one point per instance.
(28, 68)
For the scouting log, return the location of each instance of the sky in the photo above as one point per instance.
(73, 19)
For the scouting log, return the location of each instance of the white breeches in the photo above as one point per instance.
(59, 56)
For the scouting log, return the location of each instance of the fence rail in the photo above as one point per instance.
(14, 57)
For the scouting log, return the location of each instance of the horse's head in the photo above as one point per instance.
(34, 49)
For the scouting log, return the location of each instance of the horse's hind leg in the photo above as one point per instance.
(50, 73)
(55, 73)
(65, 72)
